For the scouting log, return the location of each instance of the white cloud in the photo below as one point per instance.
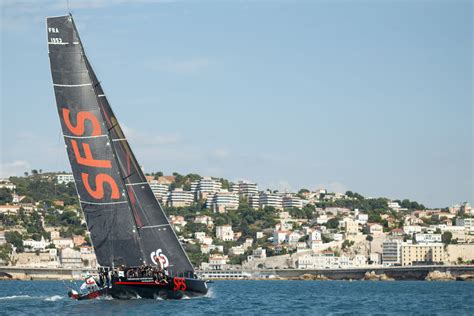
(139, 138)
(14, 168)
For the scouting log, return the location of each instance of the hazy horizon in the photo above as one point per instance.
(372, 97)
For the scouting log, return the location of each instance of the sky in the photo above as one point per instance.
(370, 96)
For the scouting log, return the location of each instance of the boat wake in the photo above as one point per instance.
(16, 297)
(54, 298)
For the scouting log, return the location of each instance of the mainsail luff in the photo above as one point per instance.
(100, 187)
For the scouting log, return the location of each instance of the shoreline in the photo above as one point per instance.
(412, 273)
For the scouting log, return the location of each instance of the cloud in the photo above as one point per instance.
(180, 67)
(139, 138)
(14, 168)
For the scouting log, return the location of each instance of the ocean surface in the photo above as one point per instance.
(255, 298)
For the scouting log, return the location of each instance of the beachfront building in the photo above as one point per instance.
(418, 254)
(391, 253)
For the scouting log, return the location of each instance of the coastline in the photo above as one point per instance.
(415, 273)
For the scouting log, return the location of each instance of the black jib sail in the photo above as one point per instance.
(128, 227)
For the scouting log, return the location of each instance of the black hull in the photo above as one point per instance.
(176, 288)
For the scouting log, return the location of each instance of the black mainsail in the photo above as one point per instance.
(127, 224)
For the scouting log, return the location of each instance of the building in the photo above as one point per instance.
(159, 190)
(362, 218)
(205, 220)
(322, 261)
(391, 253)
(244, 188)
(350, 226)
(88, 257)
(254, 201)
(166, 180)
(290, 201)
(223, 201)
(64, 178)
(268, 199)
(180, 198)
(9, 209)
(427, 238)
(63, 243)
(36, 244)
(375, 228)
(205, 186)
(224, 233)
(70, 258)
(279, 236)
(416, 254)
(216, 262)
(2, 237)
(6, 184)
(467, 223)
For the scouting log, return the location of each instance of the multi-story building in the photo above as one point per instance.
(268, 199)
(225, 233)
(290, 201)
(6, 184)
(223, 201)
(468, 224)
(70, 258)
(254, 201)
(412, 254)
(180, 198)
(205, 186)
(159, 190)
(64, 178)
(245, 188)
(391, 254)
(350, 226)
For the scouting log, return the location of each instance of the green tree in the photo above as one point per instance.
(5, 196)
(446, 238)
(16, 239)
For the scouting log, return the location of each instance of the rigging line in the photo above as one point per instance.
(68, 8)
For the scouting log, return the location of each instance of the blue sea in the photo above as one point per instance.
(255, 298)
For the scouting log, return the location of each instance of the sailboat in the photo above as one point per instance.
(127, 225)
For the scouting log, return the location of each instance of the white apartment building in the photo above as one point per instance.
(180, 198)
(427, 238)
(36, 244)
(225, 233)
(319, 261)
(292, 202)
(245, 188)
(467, 223)
(391, 253)
(223, 201)
(205, 220)
(159, 190)
(205, 186)
(64, 178)
(362, 218)
(271, 199)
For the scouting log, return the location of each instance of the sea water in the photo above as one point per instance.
(254, 298)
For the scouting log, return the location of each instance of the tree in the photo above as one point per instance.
(446, 237)
(5, 196)
(16, 239)
(333, 223)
